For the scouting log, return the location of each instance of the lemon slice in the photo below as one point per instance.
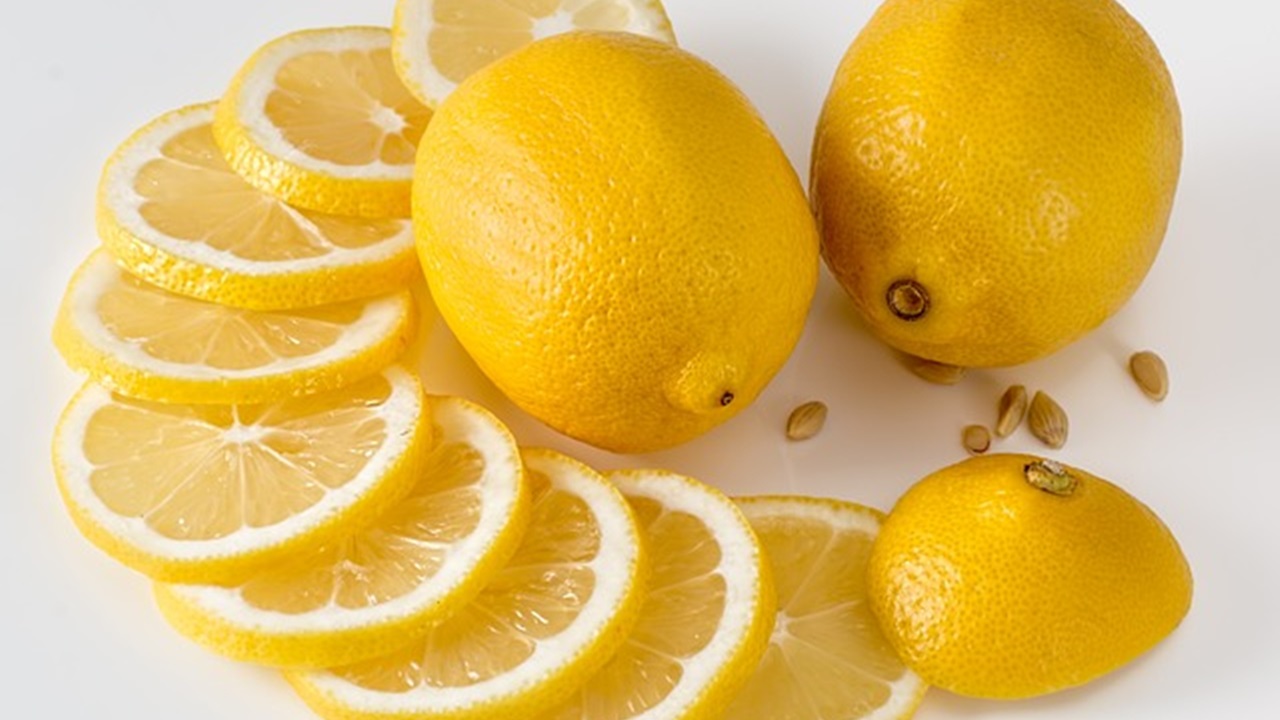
(708, 613)
(546, 622)
(367, 594)
(439, 43)
(320, 119)
(827, 659)
(211, 493)
(144, 342)
(173, 213)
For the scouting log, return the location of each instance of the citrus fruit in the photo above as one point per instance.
(440, 43)
(1009, 576)
(174, 214)
(615, 237)
(320, 119)
(212, 493)
(139, 340)
(706, 619)
(992, 180)
(365, 594)
(557, 611)
(827, 657)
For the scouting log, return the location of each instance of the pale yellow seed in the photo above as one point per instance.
(977, 439)
(935, 372)
(1151, 374)
(1010, 411)
(806, 420)
(1047, 421)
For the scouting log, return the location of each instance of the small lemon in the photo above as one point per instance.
(615, 236)
(1010, 576)
(993, 179)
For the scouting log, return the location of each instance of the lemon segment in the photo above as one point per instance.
(213, 493)
(827, 657)
(320, 119)
(139, 340)
(707, 617)
(173, 213)
(559, 609)
(369, 593)
(439, 43)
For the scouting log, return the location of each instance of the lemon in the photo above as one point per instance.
(827, 657)
(174, 214)
(994, 179)
(559, 609)
(145, 342)
(440, 43)
(320, 119)
(374, 590)
(1010, 576)
(214, 493)
(706, 619)
(614, 235)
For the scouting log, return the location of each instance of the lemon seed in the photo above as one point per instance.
(935, 372)
(977, 439)
(1010, 411)
(1047, 420)
(806, 420)
(1151, 374)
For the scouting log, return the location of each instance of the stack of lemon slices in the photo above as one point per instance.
(248, 440)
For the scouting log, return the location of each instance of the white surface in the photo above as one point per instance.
(81, 638)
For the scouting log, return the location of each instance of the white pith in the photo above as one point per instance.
(401, 412)
(903, 692)
(379, 321)
(615, 569)
(499, 484)
(124, 203)
(251, 101)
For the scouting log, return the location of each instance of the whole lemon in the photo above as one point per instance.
(993, 179)
(615, 236)
(1009, 576)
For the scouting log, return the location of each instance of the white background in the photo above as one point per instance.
(79, 637)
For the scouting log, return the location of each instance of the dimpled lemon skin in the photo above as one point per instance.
(615, 237)
(990, 587)
(1017, 160)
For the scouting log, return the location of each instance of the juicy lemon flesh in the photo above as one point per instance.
(204, 472)
(470, 34)
(177, 329)
(190, 194)
(537, 596)
(404, 550)
(827, 657)
(348, 108)
(680, 615)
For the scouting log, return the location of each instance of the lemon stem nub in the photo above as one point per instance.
(1051, 477)
(726, 398)
(908, 300)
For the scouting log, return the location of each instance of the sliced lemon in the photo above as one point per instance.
(212, 493)
(174, 214)
(827, 659)
(320, 119)
(369, 593)
(552, 617)
(707, 617)
(439, 43)
(139, 340)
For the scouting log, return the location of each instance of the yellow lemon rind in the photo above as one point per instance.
(394, 483)
(532, 695)
(283, 289)
(178, 383)
(304, 187)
